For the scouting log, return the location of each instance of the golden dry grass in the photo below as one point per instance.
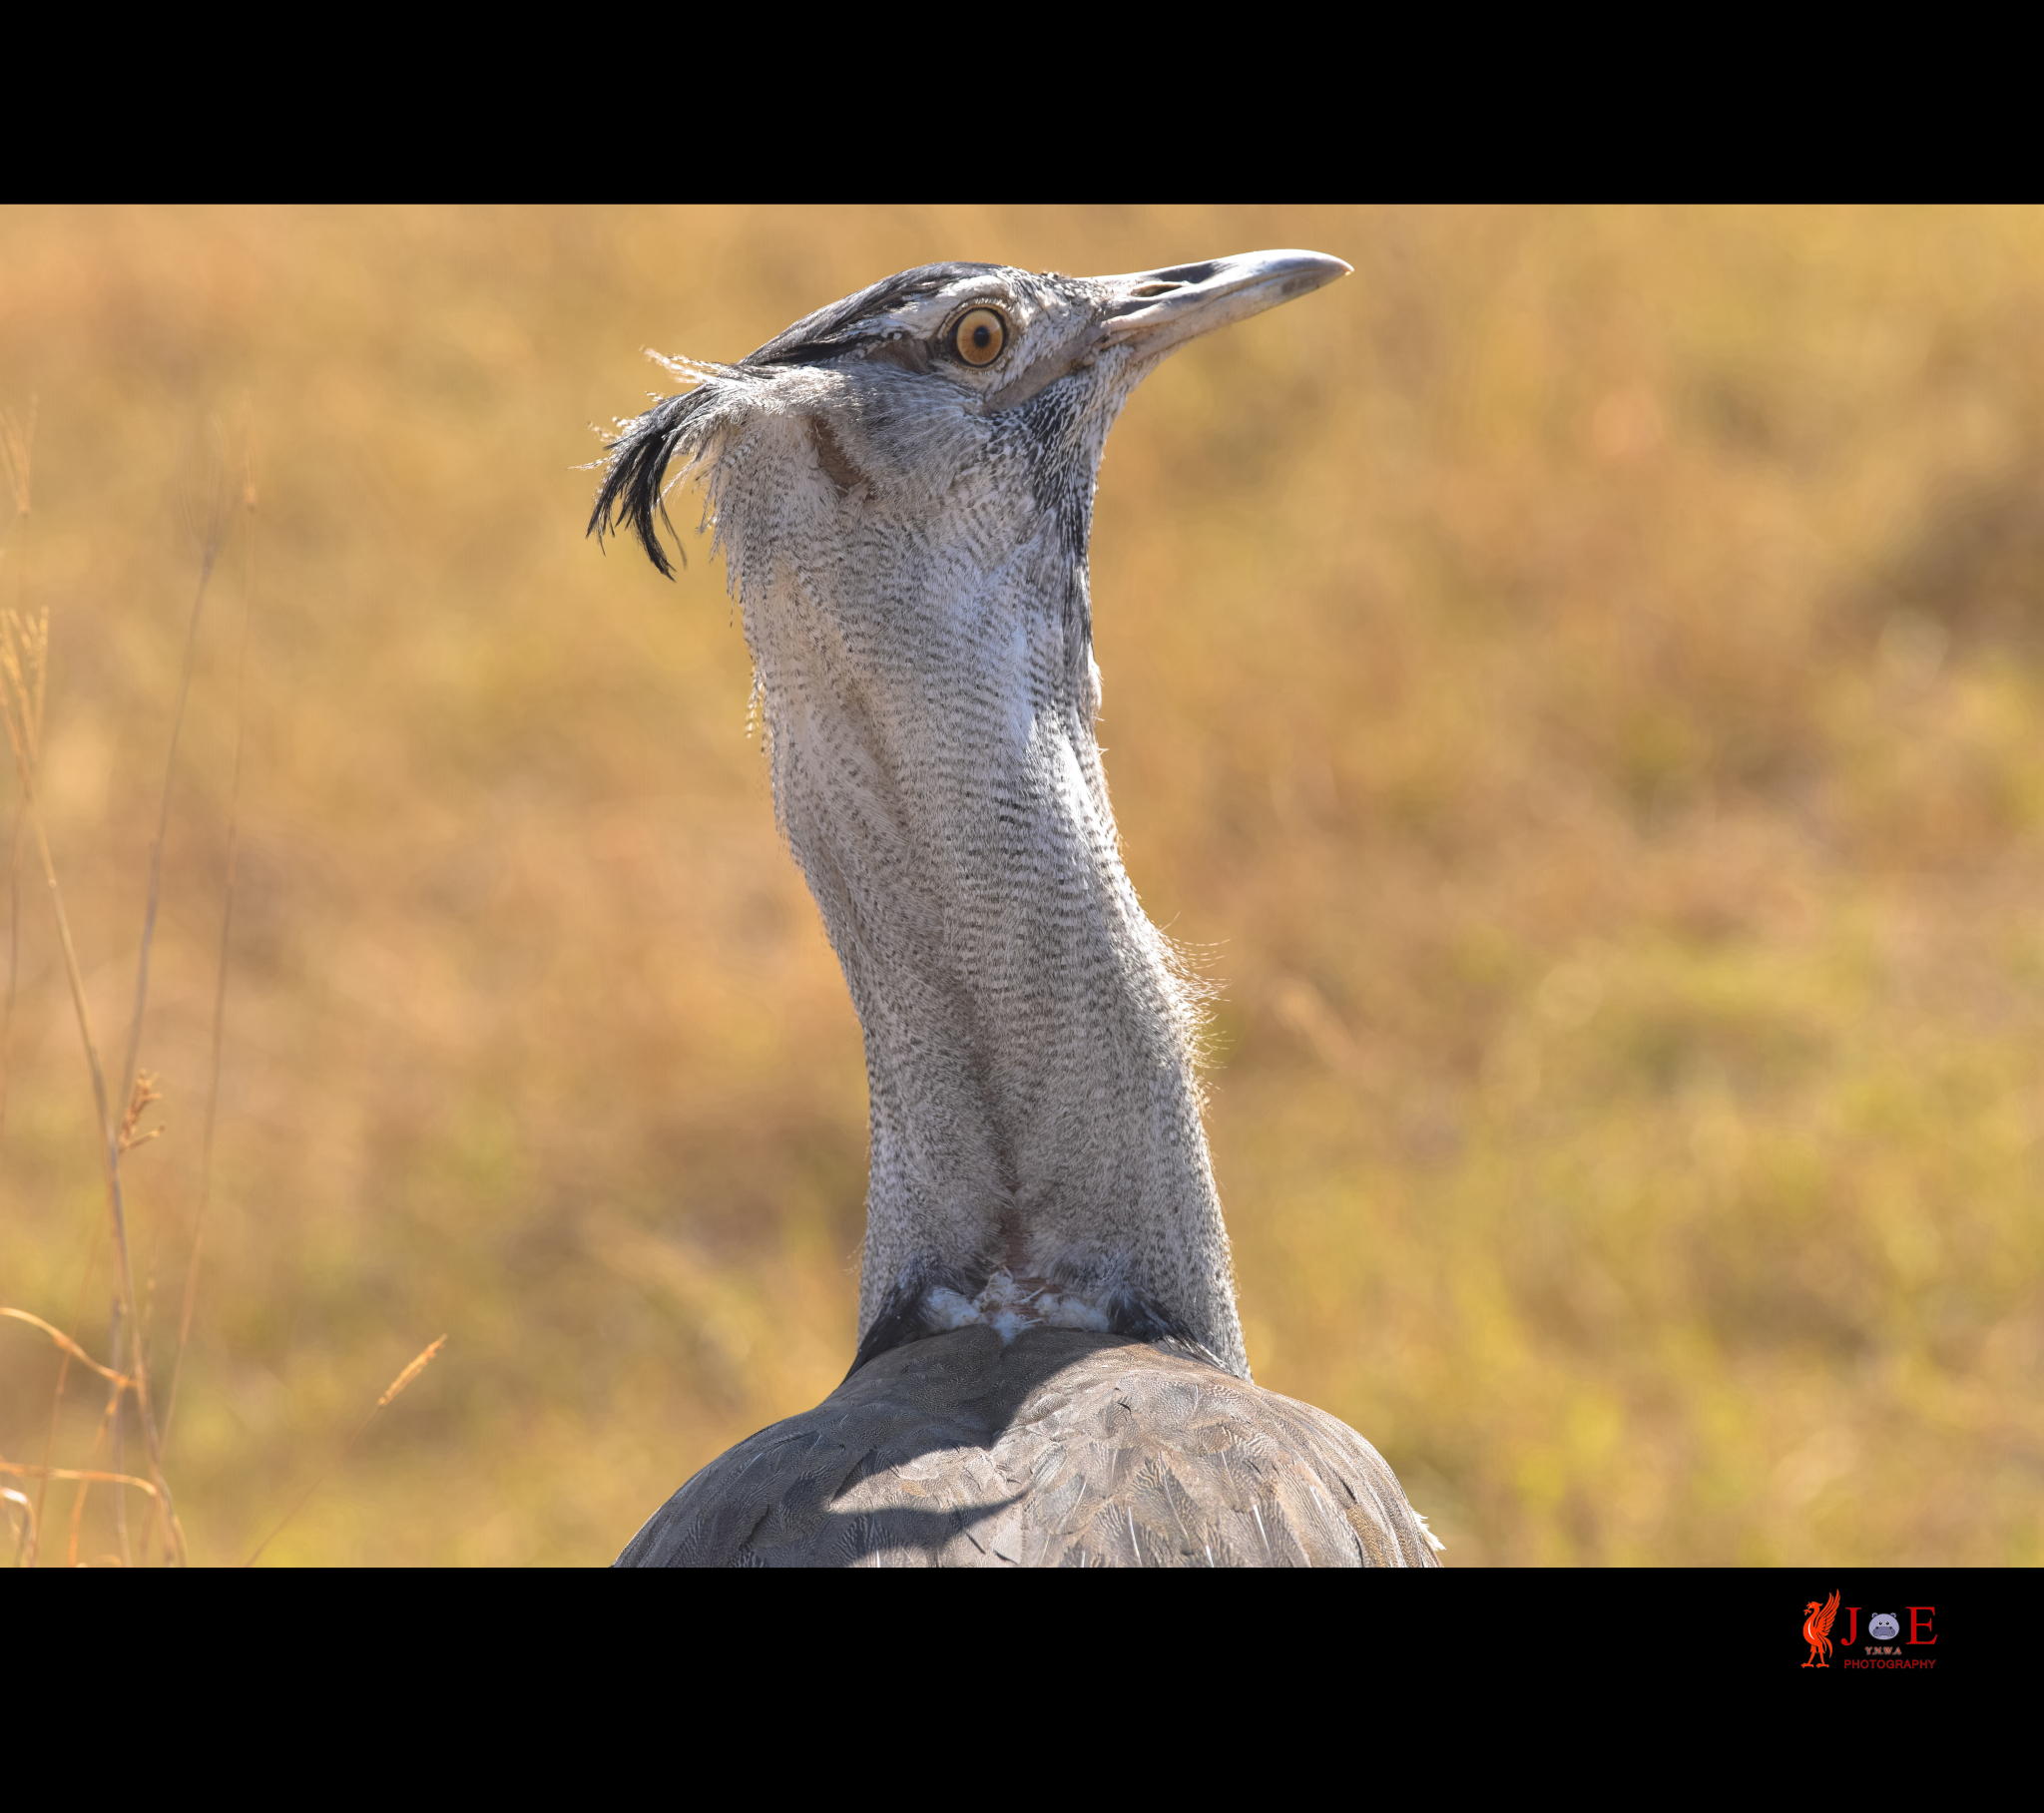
(1580, 675)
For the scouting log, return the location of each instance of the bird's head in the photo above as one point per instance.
(977, 393)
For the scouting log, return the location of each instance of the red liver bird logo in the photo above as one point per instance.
(1817, 1630)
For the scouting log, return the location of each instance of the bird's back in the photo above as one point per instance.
(1062, 1448)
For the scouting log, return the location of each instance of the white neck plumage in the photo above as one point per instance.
(1037, 1152)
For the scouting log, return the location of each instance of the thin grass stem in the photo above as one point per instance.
(30, 1539)
(340, 1454)
(122, 1327)
(13, 957)
(85, 1478)
(24, 664)
(22, 1470)
(227, 926)
(70, 1346)
(208, 552)
(91, 1256)
(17, 446)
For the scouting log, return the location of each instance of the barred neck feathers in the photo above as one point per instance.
(902, 488)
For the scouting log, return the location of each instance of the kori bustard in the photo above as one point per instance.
(1050, 1368)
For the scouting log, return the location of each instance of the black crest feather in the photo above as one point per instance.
(630, 498)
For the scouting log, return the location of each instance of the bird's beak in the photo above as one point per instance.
(1155, 311)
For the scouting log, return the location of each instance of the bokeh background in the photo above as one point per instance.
(1578, 682)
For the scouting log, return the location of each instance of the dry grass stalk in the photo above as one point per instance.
(397, 1384)
(24, 662)
(406, 1377)
(207, 519)
(205, 515)
(24, 670)
(13, 956)
(25, 1544)
(143, 1093)
(70, 1346)
(17, 439)
(227, 919)
(64, 1365)
(111, 1421)
(24, 673)
(17, 444)
(24, 665)
(24, 653)
(22, 1470)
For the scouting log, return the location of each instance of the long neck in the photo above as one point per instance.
(1035, 1111)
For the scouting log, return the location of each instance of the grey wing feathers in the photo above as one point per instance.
(1062, 1449)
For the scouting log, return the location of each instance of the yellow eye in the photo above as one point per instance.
(979, 337)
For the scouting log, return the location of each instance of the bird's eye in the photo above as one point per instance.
(979, 337)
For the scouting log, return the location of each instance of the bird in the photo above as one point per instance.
(1050, 1367)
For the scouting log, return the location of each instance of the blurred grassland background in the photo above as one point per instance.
(1580, 682)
